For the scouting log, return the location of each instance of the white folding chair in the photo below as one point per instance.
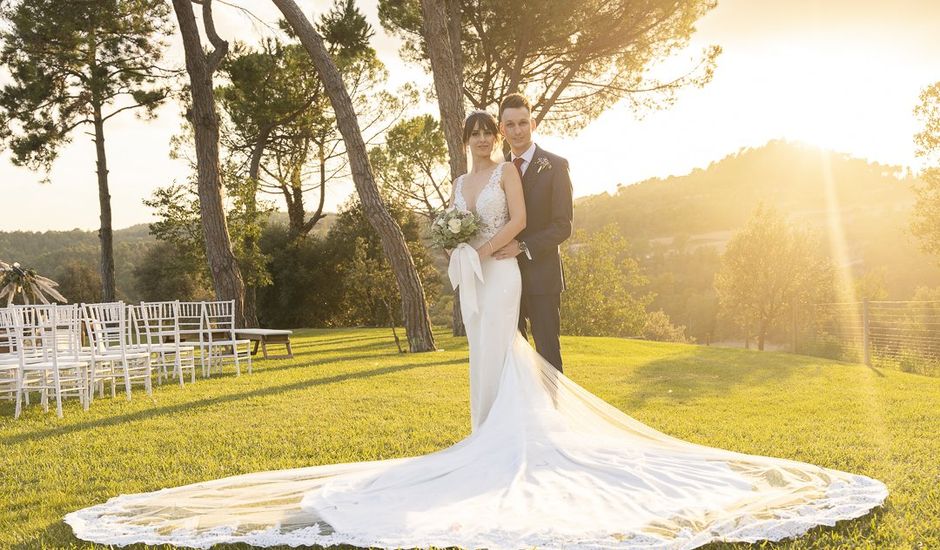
(9, 359)
(10, 356)
(190, 321)
(220, 336)
(112, 356)
(47, 339)
(160, 334)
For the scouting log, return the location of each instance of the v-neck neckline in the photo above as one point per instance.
(489, 180)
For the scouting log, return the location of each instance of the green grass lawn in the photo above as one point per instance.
(348, 396)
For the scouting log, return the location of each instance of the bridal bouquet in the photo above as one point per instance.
(452, 227)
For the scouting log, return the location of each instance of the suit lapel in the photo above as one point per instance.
(531, 171)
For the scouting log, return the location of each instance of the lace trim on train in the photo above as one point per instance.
(842, 502)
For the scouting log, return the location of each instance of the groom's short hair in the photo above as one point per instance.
(514, 101)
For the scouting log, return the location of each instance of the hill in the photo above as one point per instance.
(48, 251)
(678, 226)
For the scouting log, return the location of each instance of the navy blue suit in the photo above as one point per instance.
(546, 185)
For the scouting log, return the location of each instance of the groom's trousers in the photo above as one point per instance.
(544, 314)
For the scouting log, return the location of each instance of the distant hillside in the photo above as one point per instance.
(48, 251)
(870, 202)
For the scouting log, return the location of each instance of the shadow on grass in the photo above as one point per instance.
(314, 362)
(212, 401)
(377, 343)
(704, 372)
(315, 348)
(314, 341)
(355, 335)
(877, 371)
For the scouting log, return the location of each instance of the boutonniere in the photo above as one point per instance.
(542, 164)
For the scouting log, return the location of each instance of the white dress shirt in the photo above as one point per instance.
(526, 157)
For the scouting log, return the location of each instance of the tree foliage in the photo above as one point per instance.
(767, 268)
(414, 305)
(281, 133)
(179, 225)
(412, 165)
(659, 327)
(925, 221)
(605, 294)
(369, 296)
(79, 282)
(68, 60)
(78, 64)
(305, 289)
(342, 279)
(575, 59)
(165, 274)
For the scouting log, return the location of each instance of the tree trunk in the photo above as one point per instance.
(226, 277)
(251, 306)
(441, 24)
(454, 32)
(414, 308)
(105, 233)
(440, 27)
(254, 169)
(295, 203)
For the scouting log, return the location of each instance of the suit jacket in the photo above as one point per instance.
(546, 185)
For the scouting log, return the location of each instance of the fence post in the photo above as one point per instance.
(866, 341)
(793, 340)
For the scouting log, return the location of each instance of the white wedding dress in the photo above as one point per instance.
(547, 465)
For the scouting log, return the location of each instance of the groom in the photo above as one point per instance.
(546, 185)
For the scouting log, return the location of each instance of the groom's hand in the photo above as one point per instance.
(511, 250)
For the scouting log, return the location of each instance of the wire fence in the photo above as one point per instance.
(903, 335)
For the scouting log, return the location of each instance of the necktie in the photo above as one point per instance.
(518, 162)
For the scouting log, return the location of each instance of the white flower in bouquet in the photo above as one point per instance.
(452, 227)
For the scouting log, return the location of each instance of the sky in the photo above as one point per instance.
(840, 74)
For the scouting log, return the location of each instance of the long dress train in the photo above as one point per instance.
(547, 464)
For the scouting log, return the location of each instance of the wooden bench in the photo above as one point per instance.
(265, 336)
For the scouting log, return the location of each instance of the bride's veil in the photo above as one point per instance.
(545, 431)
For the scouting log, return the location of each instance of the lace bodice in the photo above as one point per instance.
(491, 205)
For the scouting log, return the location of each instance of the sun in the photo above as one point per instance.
(833, 101)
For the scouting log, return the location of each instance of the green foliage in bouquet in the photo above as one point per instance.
(452, 227)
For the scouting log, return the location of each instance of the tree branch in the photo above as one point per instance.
(220, 46)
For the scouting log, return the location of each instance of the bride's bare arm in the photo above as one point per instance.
(515, 200)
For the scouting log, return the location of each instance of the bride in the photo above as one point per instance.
(547, 463)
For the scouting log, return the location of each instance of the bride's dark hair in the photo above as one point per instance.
(486, 122)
